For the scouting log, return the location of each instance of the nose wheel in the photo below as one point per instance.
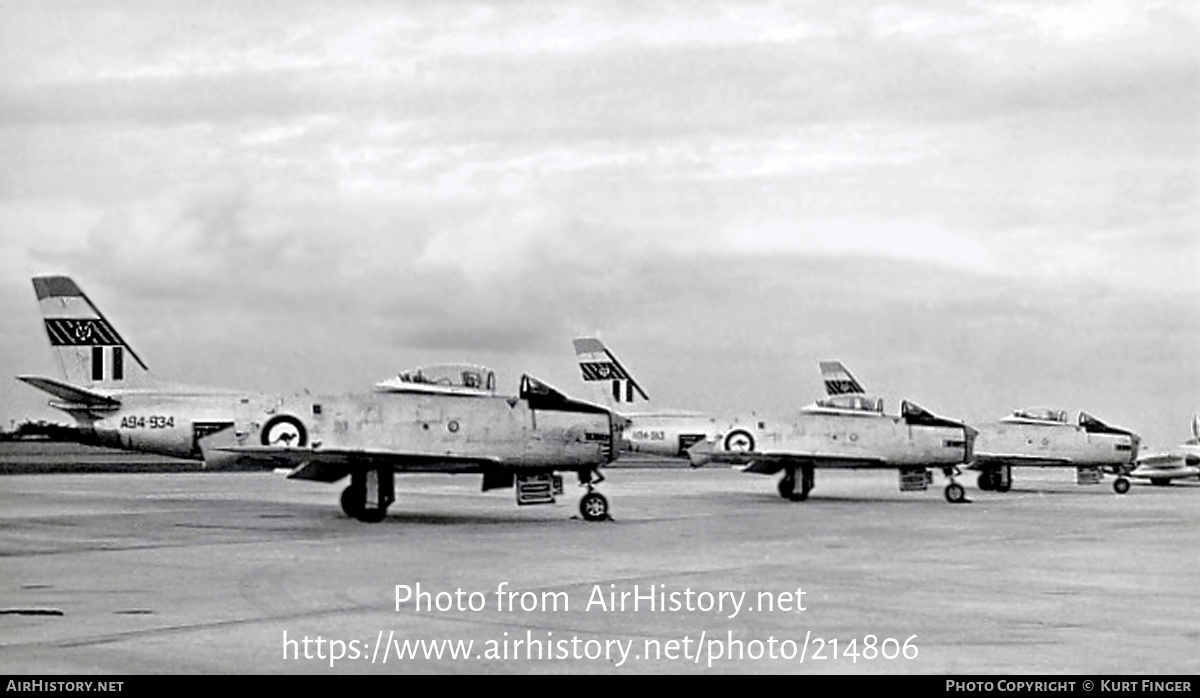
(955, 493)
(593, 506)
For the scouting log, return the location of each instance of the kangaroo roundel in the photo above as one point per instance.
(739, 440)
(284, 430)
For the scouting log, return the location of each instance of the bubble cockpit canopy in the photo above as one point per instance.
(849, 403)
(443, 378)
(1040, 414)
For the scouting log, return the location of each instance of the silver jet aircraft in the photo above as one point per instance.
(1183, 461)
(658, 432)
(847, 429)
(1046, 438)
(444, 419)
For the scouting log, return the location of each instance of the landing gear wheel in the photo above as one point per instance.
(354, 501)
(1160, 481)
(955, 494)
(1120, 485)
(985, 481)
(787, 487)
(594, 507)
(1004, 487)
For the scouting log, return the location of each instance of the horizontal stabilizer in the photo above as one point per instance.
(700, 453)
(72, 394)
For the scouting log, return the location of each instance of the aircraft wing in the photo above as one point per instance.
(771, 462)
(985, 460)
(332, 464)
(73, 395)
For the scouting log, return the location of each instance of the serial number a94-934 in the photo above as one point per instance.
(151, 422)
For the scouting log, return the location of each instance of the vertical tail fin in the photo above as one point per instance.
(605, 376)
(89, 350)
(838, 380)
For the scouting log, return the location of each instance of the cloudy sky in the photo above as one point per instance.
(975, 205)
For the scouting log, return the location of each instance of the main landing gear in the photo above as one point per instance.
(593, 506)
(787, 485)
(369, 494)
(998, 479)
(1121, 485)
(955, 494)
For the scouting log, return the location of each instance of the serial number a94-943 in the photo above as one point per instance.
(151, 422)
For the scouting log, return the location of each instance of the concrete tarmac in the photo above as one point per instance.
(232, 572)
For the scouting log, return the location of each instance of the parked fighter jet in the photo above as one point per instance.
(440, 419)
(1045, 438)
(848, 429)
(1180, 462)
(661, 432)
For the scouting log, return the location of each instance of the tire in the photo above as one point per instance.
(955, 494)
(1160, 481)
(787, 487)
(739, 440)
(1120, 485)
(354, 501)
(985, 481)
(594, 507)
(1005, 487)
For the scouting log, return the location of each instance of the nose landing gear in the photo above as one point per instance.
(593, 506)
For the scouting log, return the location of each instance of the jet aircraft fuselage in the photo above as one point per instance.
(666, 434)
(844, 431)
(464, 429)
(1045, 438)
